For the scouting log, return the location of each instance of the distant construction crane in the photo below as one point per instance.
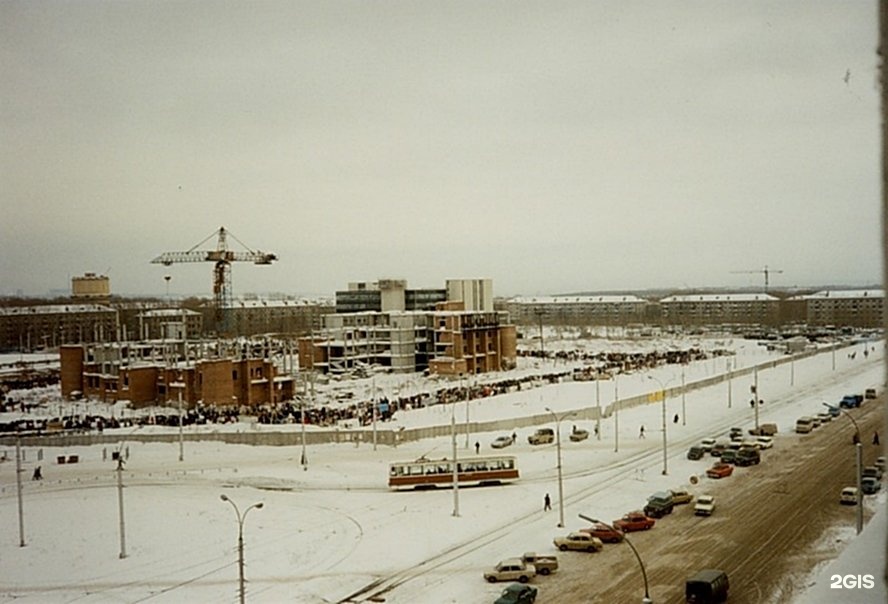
(766, 271)
(223, 257)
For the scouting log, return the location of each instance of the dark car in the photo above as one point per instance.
(729, 456)
(708, 586)
(717, 449)
(870, 485)
(747, 456)
(517, 593)
(695, 452)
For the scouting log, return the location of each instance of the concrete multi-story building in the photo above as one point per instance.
(146, 373)
(854, 308)
(91, 287)
(475, 294)
(468, 342)
(448, 340)
(714, 309)
(32, 327)
(386, 295)
(170, 324)
(578, 310)
(284, 317)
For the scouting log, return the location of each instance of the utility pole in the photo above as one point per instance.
(18, 482)
(120, 504)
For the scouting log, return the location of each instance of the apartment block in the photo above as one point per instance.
(713, 309)
(577, 310)
(854, 308)
(33, 327)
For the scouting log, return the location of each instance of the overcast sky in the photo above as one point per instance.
(551, 146)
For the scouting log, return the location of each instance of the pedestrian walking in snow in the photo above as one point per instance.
(675, 418)
(547, 503)
(641, 431)
(875, 438)
(477, 447)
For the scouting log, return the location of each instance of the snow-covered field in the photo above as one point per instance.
(326, 531)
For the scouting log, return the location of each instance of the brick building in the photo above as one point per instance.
(146, 373)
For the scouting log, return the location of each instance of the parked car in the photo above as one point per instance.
(696, 452)
(848, 496)
(542, 436)
(765, 442)
(870, 485)
(706, 444)
(516, 593)
(851, 401)
(511, 569)
(502, 442)
(708, 586)
(606, 533)
(873, 471)
(729, 456)
(870, 393)
(634, 521)
(804, 425)
(578, 434)
(764, 430)
(659, 504)
(717, 449)
(681, 497)
(824, 417)
(880, 462)
(704, 506)
(543, 564)
(747, 456)
(720, 470)
(735, 433)
(578, 540)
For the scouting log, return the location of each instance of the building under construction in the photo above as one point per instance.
(240, 374)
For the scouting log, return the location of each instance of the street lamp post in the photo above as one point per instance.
(558, 448)
(120, 503)
(240, 539)
(455, 460)
(858, 462)
(663, 414)
(647, 597)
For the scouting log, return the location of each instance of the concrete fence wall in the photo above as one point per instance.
(388, 437)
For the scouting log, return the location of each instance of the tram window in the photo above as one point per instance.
(416, 470)
(510, 463)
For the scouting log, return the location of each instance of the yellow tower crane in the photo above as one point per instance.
(223, 257)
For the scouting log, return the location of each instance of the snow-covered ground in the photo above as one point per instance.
(327, 531)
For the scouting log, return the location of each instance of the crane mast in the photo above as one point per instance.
(222, 257)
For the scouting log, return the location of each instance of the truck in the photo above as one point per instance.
(659, 504)
(542, 436)
(511, 569)
(543, 564)
(764, 430)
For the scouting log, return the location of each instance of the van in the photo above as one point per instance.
(804, 425)
(708, 586)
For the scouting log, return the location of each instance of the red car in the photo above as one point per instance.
(604, 532)
(634, 521)
(720, 470)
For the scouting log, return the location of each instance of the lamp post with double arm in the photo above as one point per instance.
(240, 539)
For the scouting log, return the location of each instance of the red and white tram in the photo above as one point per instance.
(429, 473)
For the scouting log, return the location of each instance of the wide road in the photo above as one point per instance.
(767, 531)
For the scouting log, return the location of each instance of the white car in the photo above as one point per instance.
(848, 496)
(706, 444)
(704, 506)
(765, 442)
(502, 442)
